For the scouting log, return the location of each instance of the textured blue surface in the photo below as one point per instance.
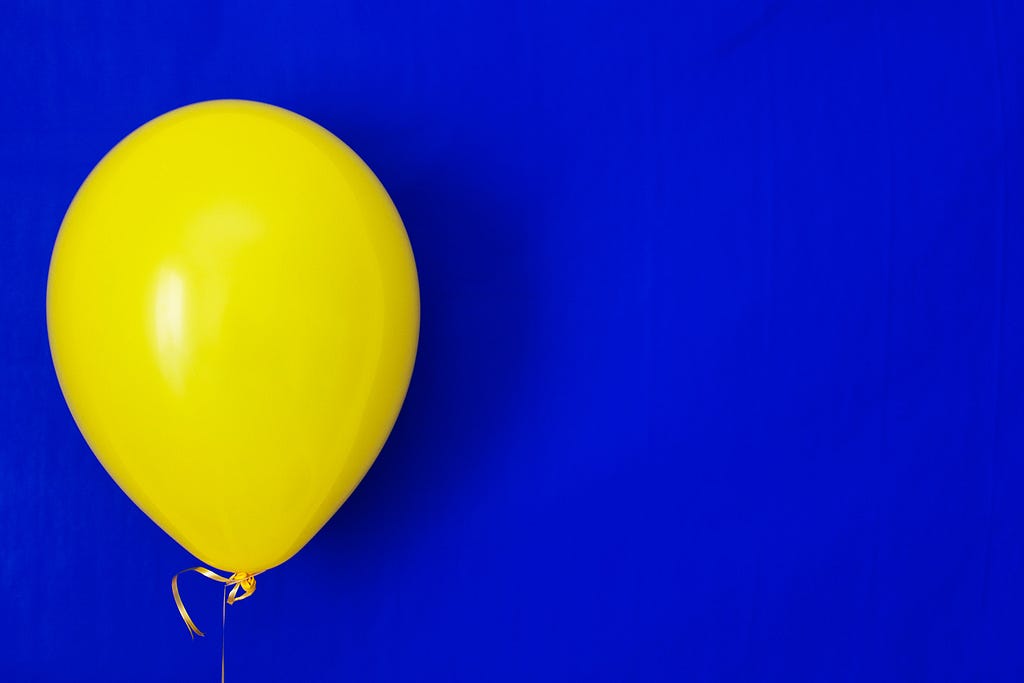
(722, 354)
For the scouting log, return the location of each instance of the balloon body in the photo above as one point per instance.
(233, 314)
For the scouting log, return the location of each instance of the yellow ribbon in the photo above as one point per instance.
(239, 581)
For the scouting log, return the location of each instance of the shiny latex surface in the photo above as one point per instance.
(233, 314)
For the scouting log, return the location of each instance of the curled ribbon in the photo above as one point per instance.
(239, 581)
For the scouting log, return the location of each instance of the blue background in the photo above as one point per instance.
(722, 353)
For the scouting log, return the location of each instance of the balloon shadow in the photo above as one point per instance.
(477, 314)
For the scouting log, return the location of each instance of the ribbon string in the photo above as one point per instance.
(239, 581)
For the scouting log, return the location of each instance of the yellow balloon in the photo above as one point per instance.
(233, 313)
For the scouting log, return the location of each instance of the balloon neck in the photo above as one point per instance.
(241, 581)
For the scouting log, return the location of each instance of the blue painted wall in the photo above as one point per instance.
(722, 353)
